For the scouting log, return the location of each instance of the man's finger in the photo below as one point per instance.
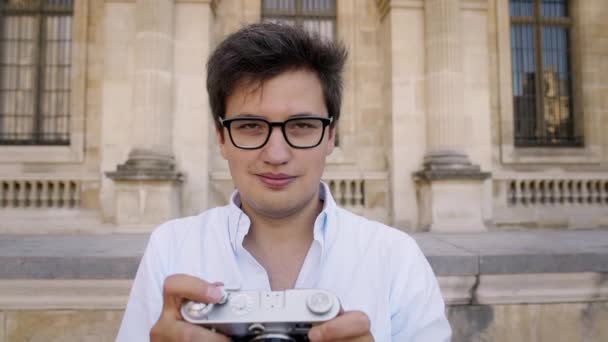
(182, 286)
(348, 325)
(182, 331)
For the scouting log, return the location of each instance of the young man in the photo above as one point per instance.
(275, 94)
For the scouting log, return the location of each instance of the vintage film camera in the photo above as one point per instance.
(265, 316)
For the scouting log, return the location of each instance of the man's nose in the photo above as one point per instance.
(276, 150)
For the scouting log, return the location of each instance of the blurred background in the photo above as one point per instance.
(477, 126)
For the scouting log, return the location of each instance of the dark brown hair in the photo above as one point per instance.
(258, 52)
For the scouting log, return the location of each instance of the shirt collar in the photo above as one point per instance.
(239, 223)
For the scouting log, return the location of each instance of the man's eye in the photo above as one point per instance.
(303, 125)
(249, 126)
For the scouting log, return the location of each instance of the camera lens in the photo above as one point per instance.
(273, 338)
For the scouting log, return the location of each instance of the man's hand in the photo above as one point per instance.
(352, 326)
(170, 326)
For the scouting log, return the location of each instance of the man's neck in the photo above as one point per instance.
(289, 230)
(280, 245)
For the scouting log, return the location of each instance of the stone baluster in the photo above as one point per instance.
(583, 192)
(524, 192)
(568, 192)
(542, 192)
(590, 185)
(21, 195)
(533, 192)
(359, 198)
(65, 196)
(349, 193)
(551, 192)
(10, 194)
(340, 192)
(76, 195)
(44, 194)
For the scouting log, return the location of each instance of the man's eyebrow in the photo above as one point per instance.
(247, 115)
(299, 115)
(257, 116)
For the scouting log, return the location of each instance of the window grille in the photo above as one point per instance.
(317, 16)
(35, 60)
(542, 82)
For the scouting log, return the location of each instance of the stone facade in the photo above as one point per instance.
(422, 77)
(585, 322)
(426, 142)
(94, 310)
(61, 325)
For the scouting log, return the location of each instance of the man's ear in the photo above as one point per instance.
(221, 140)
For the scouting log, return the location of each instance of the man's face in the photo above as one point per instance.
(277, 180)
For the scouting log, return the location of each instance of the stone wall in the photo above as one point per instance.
(59, 325)
(498, 286)
(584, 322)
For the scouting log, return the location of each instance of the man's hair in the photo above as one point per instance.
(261, 51)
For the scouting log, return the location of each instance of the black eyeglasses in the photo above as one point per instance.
(253, 133)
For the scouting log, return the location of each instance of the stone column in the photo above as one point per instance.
(402, 50)
(147, 184)
(450, 186)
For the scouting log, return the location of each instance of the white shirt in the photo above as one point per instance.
(371, 267)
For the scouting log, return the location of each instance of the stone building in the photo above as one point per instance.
(458, 116)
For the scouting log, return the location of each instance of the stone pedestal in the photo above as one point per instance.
(450, 193)
(147, 189)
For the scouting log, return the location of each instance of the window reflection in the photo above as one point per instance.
(541, 74)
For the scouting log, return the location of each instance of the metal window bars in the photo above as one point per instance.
(542, 79)
(35, 61)
(318, 16)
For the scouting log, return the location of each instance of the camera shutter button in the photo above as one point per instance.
(199, 310)
(319, 303)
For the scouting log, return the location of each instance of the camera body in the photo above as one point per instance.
(265, 315)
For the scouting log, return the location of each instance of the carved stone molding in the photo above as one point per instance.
(384, 6)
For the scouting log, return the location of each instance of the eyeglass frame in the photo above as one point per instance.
(225, 123)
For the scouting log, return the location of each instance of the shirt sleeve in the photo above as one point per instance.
(145, 300)
(418, 309)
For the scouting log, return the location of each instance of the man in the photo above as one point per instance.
(275, 94)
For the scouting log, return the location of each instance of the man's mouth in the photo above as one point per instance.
(275, 180)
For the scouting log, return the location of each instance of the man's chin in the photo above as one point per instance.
(275, 209)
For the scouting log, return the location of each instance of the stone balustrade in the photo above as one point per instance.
(547, 201)
(348, 192)
(39, 193)
(525, 192)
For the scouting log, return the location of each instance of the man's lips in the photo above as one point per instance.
(275, 180)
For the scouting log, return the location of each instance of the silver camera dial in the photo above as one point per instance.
(319, 303)
(201, 310)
